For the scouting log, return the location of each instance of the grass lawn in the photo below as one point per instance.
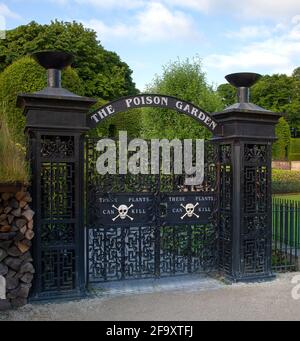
(294, 197)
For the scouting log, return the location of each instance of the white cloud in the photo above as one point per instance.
(7, 13)
(108, 32)
(275, 54)
(257, 31)
(249, 8)
(112, 4)
(248, 58)
(158, 22)
(155, 23)
(199, 5)
(249, 32)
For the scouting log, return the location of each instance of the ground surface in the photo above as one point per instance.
(185, 299)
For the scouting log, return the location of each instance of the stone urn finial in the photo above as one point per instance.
(243, 82)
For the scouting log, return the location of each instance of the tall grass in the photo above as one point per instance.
(13, 164)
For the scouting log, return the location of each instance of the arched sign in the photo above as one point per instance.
(150, 100)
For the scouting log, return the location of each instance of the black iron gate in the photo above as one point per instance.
(147, 236)
(141, 226)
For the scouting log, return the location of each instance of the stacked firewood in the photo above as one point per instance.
(16, 233)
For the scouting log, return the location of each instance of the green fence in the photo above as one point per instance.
(286, 234)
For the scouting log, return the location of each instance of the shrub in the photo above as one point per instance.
(26, 76)
(12, 169)
(282, 145)
(285, 181)
(295, 150)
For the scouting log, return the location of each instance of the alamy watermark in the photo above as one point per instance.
(152, 157)
(2, 27)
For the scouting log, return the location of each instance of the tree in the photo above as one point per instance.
(227, 92)
(273, 92)
(103, 73)
(23, 76)
(282, 145)
(296, 73)
(185, 80)
(279, 93)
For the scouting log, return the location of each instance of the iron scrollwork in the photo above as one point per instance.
(57, 146)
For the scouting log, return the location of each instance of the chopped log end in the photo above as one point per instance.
(16, 233)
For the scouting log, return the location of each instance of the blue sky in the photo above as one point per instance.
(228, 35)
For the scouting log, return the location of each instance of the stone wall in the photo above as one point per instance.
(16, 233)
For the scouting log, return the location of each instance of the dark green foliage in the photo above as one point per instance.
(129, 121)
(295, 150)
(274, 92)
(26, 76)
(103, 73)
(296, 73)
(278, 93)
(282, 145)
(228, 94)
(185, 80)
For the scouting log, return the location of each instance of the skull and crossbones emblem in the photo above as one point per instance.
(190, 210)
(123, 212)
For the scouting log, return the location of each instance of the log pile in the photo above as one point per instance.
(16, 234)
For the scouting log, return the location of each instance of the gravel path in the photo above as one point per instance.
(259, 301)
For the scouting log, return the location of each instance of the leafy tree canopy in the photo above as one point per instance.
(103, 73)
(185, 80)
(227, 92)
(278, 92)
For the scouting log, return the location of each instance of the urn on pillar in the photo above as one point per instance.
(245, 156)
(55, 124)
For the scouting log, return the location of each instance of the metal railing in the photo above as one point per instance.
(285, 234)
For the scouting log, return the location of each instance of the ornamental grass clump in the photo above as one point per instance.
(13, 165)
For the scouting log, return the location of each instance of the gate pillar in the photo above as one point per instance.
(55, 125)
(245, 157)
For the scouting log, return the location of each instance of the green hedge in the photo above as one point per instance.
(282, 146)
(295, 150)
(284, 181)
(26, 76)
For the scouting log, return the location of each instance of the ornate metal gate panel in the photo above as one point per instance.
(132, 230)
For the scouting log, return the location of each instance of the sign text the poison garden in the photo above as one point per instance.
(148, 100)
